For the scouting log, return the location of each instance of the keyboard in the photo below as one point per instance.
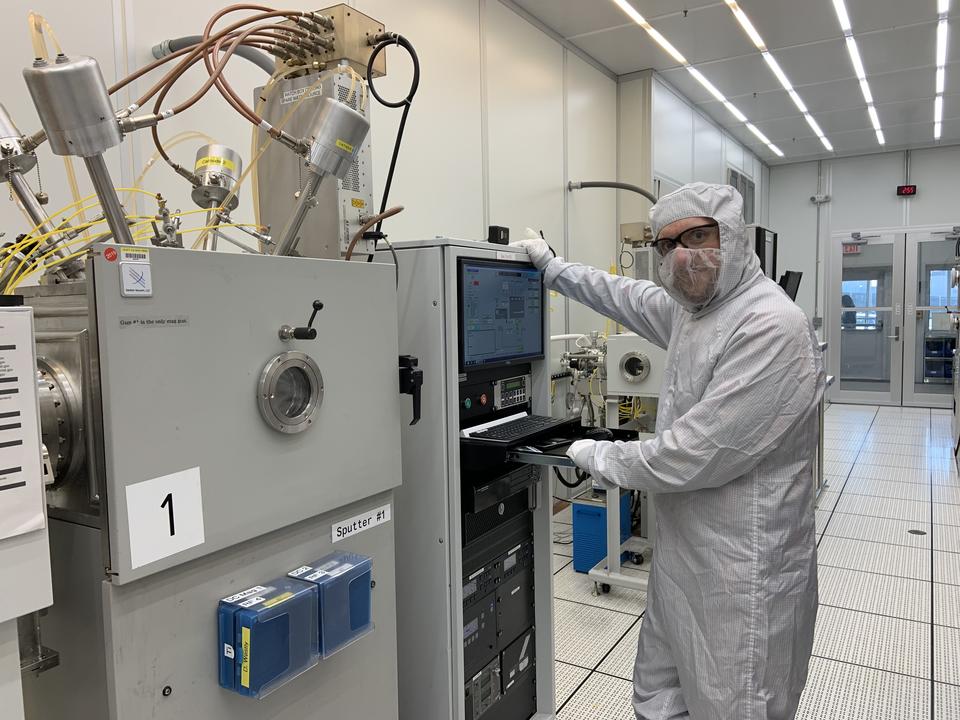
(519, 429)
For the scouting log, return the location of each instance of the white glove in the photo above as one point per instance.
(536, 247)
(583, 454)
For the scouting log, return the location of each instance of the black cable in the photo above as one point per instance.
(405, 103)
(580, 475)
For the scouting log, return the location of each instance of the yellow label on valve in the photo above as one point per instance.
(212, 160)
(245, 649)
(358, 203)
(345, 146)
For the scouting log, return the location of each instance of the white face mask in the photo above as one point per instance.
(691, 276)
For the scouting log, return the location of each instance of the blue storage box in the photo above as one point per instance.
(346, 598)
(268, 636)
(590, 529)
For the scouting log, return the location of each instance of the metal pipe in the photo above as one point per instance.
(576, 185)
(213, 219)
(29, 201)
(291, 231)
(112, 210)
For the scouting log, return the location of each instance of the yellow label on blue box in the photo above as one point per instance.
(278, 599)
(345, 146)
(245, 649)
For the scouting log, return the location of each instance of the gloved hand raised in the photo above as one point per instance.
(536, 247)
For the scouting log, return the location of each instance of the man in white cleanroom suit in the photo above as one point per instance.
(732, 597)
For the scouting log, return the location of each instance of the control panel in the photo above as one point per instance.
(510, 392)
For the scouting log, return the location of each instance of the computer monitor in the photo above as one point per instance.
(500, 313)
(790, 282)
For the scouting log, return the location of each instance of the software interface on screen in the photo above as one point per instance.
(502, 313)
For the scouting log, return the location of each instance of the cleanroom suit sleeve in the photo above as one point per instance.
(763, 385)
(638, 305)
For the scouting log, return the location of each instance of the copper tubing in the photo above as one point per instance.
(369, 224)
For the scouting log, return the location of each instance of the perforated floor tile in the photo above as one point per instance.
(601, 697)
(560, 562)
(883, 558)
(864, 527)
(621, 659)
(946, 640)
(834, 467)
(945, 477)
(563, 540)
(916, 459)
(584, 634)
(876, 641)
(946, 514)
(913, 510)
(842, 456)
(879, 472)
(822, 518)
(881, 594)
(840, 691)
(827, 500)
(887, 489)
(568, 679)
(946, 605)
(834, 483)
(947, 538)
(946, 568)
(946, 701)
(946, 494)
(578, 587)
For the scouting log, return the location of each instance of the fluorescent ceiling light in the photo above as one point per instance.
(711, 88)
(631, 11)
(943, 6)
(747, 26)
(763, 138)
(735, 111)
(865, 89)
(855, 58)
(797, 101)
(778, 71)
(872, 111)
(658, 37)
(938, 109)
(813, 125)
(880, 138)
(665, 44)
(940, 81)
(826, 144)
(942, 43)
(842, 15)
(936, 131)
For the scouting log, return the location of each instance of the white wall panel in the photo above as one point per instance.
(863, 191)
(707, 151)
(794, 218)
(525, 124)
(935, 172)
(591, 112)
(672, 135)
(734, 155)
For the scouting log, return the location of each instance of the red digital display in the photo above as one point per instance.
(906, 190)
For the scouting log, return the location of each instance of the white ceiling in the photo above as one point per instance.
(897, 40)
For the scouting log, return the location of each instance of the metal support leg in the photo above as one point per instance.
(109, 202)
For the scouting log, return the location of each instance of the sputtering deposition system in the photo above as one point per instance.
(221, 530)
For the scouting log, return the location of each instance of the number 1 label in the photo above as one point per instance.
(164, 516)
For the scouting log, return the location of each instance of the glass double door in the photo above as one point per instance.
(890, 326)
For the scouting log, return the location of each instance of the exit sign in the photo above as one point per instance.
(852, 248)
(906, 190)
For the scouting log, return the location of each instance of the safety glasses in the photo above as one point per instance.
(693, 238)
